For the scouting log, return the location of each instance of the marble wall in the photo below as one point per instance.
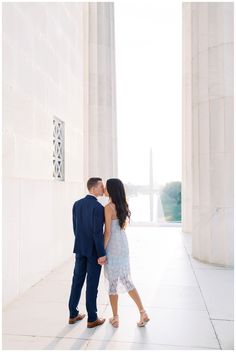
(208, 124)
(46, 73)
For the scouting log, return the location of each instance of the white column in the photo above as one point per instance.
(186, 188)
(210, 130)
(100, 116)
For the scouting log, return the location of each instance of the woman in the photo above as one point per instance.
(117, 269)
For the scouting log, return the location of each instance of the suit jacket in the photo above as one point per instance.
(88, 221)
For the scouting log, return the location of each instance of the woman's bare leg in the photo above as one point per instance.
(143, 315)
(114, 304)
(135, 296)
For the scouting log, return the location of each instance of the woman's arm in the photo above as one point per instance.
(108, 215)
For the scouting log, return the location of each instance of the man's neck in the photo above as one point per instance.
(92, 195)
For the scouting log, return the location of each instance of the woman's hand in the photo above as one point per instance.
(102, 260)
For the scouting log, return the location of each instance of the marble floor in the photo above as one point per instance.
(190, 303)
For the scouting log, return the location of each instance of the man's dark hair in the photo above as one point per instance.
(92, 182)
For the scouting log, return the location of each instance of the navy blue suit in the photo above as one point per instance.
(88, 221)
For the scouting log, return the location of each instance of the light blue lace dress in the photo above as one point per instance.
(117, 269)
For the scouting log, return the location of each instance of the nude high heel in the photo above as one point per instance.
(144, 318)
(114, 321)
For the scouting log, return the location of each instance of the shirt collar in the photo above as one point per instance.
(91, 195)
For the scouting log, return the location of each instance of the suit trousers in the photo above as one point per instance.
(85, 265)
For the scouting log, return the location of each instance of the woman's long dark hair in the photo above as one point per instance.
(116, 191)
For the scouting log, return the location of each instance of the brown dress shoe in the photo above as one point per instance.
(95, 323)
(74, 320)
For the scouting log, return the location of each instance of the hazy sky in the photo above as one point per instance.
(149, 83)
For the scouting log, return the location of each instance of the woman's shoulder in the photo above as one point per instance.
(110, 205)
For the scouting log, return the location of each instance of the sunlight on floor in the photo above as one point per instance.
(190, 303)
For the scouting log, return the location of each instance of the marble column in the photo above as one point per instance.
(100, 128)
(208, 124)
(186, 121)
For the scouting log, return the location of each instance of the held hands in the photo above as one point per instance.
(102, 260)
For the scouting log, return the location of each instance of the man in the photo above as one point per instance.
(88, 221)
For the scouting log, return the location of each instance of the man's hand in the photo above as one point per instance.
(102, 260)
